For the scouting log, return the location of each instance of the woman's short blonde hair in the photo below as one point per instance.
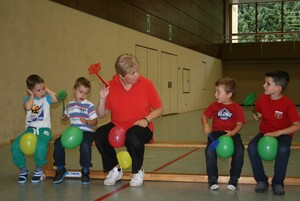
(126, 63)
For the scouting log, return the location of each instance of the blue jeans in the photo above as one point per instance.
(237, 161)
(136, 137)
(281, 160)
(59, 154)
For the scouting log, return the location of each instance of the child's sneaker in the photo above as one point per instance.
(59, 175)
(85, 176)
(37, 176)
(214, 186)
(23, 177)
(113, 176)
(231, 187)
(138, 178)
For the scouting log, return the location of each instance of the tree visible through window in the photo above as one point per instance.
(266, 22)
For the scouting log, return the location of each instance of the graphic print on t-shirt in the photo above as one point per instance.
(224, 114)
(37, 113)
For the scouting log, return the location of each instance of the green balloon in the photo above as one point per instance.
(71, 137)
(226, 147)
(267, 148)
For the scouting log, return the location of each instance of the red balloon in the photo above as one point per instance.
(116, 136)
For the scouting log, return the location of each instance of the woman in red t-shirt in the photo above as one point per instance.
(133, 103)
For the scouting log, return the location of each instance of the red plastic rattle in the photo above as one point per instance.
(94, 69)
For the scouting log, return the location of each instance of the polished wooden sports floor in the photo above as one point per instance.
(174, 166)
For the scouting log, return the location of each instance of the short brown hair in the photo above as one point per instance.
(32, 80)
(229, 85)
(82, 81)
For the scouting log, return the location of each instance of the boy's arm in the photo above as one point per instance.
(286, 131)
(52, 94)
(92, 122)
(205, 124)
(238, 128)
(64, 117)
(28, 104)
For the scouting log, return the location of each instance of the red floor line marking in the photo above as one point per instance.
(157, 169)
(112, 192)
(176, 159)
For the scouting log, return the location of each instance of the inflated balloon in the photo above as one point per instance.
(28, 143)
(267, 148)
(124, 159)
(71, 137)
(116, 136)
(226, 147)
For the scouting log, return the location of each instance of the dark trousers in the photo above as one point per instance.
(237, 161)
(85, 159)
(136, 138)
(281, 160)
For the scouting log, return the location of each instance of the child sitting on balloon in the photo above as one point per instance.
(82, 115)
(227, 121)
(280, 119)
(38, 125)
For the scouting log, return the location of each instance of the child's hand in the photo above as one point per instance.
(207, 129)
(274, 133)
(257, 117)
(46, 89)
(229, 133)
(64, 117)
(30, 93)
(84, 121)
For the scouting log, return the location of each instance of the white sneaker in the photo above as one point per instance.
(138, 178)
(113, 176)
(214, 187)
(231, 187)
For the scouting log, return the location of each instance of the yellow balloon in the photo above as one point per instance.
(124, 159)
(28, 143)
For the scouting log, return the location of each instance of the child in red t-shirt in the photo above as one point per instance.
(279, 118)
(227, 119)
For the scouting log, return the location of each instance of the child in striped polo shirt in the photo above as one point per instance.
(81, 114)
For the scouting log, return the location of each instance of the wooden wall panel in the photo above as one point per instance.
(139, 20)
(95, 7)
(184, 38)
(121, 12)
(176, 35)
(173, 15)
(194, 26)
(204, 19)
(195, 11)
(184, 21)
(159, 9)
(184, 6)
(141, 4)
(174, 3)
(158, 27)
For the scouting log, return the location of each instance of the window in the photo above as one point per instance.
(273, 21)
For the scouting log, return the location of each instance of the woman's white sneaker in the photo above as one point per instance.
(138, 178)
(113, 176)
